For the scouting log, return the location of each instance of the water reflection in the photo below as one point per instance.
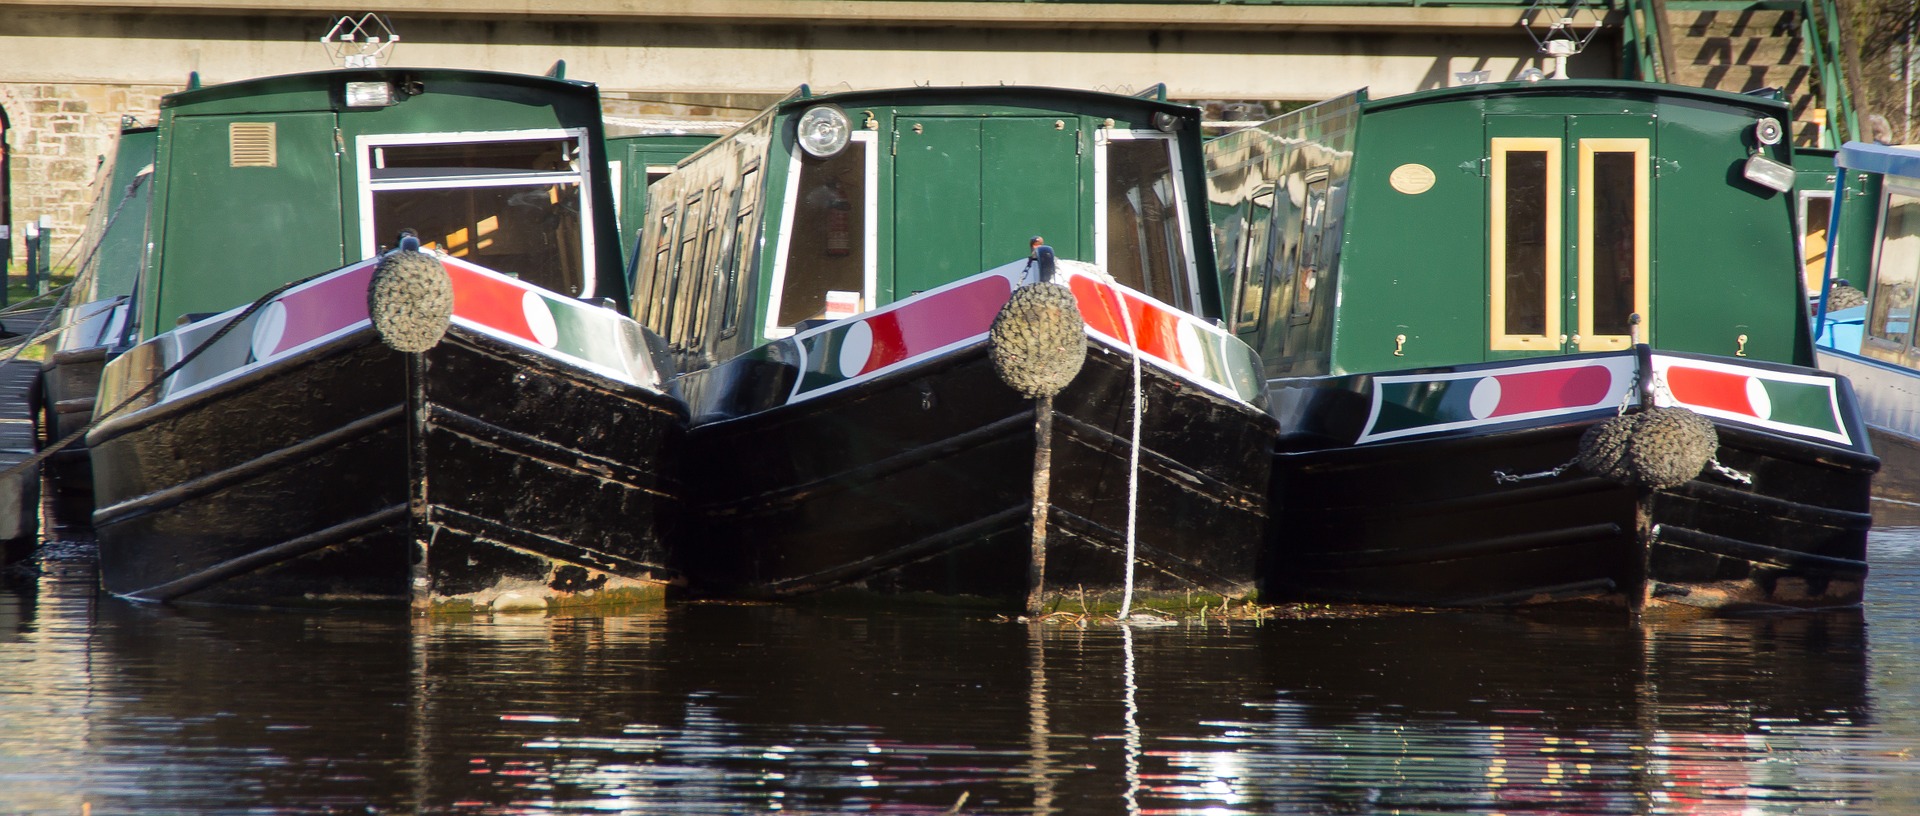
(731, 708)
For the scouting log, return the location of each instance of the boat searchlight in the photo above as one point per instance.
(824, 130)
(1761, 170)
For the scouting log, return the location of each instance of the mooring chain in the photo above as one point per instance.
(1730, 473)
(1503, 477)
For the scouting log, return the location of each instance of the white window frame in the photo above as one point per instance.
(1101, 137)
(366, 144)
(870, 255)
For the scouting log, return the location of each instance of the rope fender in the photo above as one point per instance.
(1657, 448)
(410, 299)
(1038, 340)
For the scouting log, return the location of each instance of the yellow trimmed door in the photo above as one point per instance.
(1570, 232)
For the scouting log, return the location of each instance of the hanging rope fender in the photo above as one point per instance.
(410, 298)
(1658, 448)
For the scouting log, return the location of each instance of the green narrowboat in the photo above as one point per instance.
(1538, 342)
(94, 318)
(830, 277)
(634, 162)
(463, 419)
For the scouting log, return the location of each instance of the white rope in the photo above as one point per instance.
(1133, 459)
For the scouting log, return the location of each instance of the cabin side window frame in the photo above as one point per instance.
(1812, 274)
(1549, 339)
(1256, 257)
(709, 267)
(1873, 337)
(870, 262)
(366, 144)
(693, 215)
(740, 249)
(659, 266)
(1103, 137)
(1641, 149)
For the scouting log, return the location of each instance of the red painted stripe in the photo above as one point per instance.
(333, 304)
(490, 301)
(1553, 389)
(1701, 388)
(889, 342)
(945, 318)
(1157, 330)
(954, 315)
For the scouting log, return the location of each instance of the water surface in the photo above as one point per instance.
(728, 708)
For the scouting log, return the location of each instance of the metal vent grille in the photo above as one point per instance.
(252, 144)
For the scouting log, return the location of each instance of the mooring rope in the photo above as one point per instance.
(69, 439)
(1133, 458)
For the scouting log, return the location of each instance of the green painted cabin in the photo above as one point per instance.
(747, 239)
(266, 181)
(116, 226)
(1503, 221)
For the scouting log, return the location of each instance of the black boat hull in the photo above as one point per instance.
(922, 481)
(1425, 522)
(474, 475)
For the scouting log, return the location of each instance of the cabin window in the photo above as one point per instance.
(826, 238)
(686, 271)
(1313, 223)
(1613, 188)
(662, 266)
(1253, 273)
(513, 203)
(1816, 210)
(706, 271)
(1523, 261)
(1144, 224)
(740, 255)
(1896, 272)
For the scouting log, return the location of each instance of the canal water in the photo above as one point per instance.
(109, 707)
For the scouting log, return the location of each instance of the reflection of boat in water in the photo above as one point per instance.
(1450, 289)
(1483, 712)
(714, 708)
(489, 432)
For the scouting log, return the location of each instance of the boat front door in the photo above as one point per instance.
(969, 193)
(1569, 217)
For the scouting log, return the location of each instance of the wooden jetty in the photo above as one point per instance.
(19, 492)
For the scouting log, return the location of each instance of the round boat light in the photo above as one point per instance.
(823, 130)
(1165, 122)
(1767, 131)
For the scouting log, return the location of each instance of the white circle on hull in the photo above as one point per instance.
(539, 319)
(1757, 397)
(855, 349)
(1485, 397)
(268, 329)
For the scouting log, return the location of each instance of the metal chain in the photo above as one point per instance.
(1503, 477)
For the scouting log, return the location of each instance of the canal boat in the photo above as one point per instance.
(1541, 342)
(383, 357)
(1865, 308)
(829, 278)
(635, 161)
(92, 323)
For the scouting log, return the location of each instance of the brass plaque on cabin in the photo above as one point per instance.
(1412, 179)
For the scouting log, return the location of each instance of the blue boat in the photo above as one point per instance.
(1865, 310)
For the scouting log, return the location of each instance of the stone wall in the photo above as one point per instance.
(57, 136)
